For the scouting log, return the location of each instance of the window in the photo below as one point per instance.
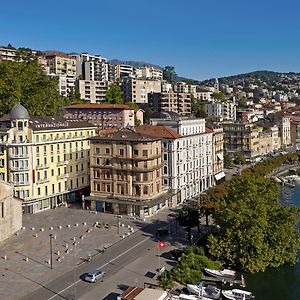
(145, 152)
(97, 150)
(121, 152)
(39, 191)
(106, 150)
(2, 209)
(136, 152)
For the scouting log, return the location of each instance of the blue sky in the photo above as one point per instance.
(201, 39)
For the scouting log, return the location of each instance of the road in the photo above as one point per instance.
(112, 261)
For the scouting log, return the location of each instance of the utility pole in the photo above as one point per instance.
(51, 237)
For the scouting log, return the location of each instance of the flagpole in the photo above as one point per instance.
(158, 253)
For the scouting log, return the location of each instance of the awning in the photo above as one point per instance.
(220, 156)
(219, 175)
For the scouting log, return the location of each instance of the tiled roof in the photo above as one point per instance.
(124, 134)
(208, 130)
(159, 131)
(99, 106)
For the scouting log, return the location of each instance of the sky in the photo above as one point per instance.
(201, 39)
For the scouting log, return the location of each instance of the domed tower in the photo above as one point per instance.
(19, 117)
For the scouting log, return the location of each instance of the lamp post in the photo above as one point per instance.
(51, 237)
(75, 265)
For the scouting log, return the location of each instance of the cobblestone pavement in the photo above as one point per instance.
(25, 258)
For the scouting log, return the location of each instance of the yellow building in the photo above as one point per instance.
(45, 158)
(60, 63)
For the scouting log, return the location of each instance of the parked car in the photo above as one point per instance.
(94, 276)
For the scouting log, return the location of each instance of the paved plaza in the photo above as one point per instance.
(25, 258)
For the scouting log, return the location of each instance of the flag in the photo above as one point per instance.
(161, 244)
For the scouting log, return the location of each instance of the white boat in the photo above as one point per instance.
(220, 273)
(192, 297)
(237, 294)
(210, 291)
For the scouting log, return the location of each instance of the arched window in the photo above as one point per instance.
(145, 190)
(20, 125)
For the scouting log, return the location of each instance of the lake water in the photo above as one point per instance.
(281, 283)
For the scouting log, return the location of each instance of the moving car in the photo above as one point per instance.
(94, 276)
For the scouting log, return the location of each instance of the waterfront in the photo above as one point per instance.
(281, 283)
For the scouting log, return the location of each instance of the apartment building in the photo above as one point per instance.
(218, 151)
(8, 54)
(203, 94)
(45, 158)
(149, 73)
(182, 87)
(137, 90)
(219, 111)
(250, 139)
(187, 158)
(177, 102)
(66, 84)
(121, 71)
(10, 211)
(60, 63)
(91, 67)
(105, 115)
(126, 174)
(93, 91)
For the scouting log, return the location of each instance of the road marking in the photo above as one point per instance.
(142, 241)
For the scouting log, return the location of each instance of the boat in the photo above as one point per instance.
(210, 291)
(220, 273)
(192, 297)
(237, 294)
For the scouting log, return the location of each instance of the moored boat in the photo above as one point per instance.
(210, 291)
(237, 294)
(220, 273)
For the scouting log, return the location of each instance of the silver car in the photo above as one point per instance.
(94, 276)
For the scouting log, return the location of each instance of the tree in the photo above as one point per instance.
(147, 114)
(169, 74)
(198, 108)
(239, 158)
(227, 160)
(74, 95)
(188, 217)
(218, 96)
(27, 84)
(254, 231)
(165, 280)
(114, 94)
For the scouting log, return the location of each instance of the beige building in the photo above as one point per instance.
(45, 158)
(60, 63)
(250, 139)
(93, 91)
(126, 174)
(137, 90)
(10, 211)
(179, 103)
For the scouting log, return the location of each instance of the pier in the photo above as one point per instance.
(225, 280)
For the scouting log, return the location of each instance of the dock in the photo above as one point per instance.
(225, 280)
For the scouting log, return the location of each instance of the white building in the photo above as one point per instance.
(220, 111)
(182, 87)
(188, 156)
(66, 83)
(91, 67)
(149, 73)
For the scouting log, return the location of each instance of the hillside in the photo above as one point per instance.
(133, 63)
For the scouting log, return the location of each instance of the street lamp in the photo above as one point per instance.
(51, 237)
(75, 265)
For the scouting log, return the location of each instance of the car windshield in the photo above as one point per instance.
(90, 275)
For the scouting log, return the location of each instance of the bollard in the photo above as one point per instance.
(74, 238)
(57, 252)
(42, 229)
(76, 224)
(51, 228)
(67, 246)
(68, 225)
(26, 259)
(4, 257)
(23, 228)
(59, 227)
(17, 233)
(54, 237)
(32, 228)
(35, 235)
(84, 223)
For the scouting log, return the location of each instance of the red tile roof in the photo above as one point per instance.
(160, 131)
(99, 106)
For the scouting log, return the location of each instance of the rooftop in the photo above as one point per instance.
(159, 131)
(99, 106)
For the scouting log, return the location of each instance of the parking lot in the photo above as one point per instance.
(26, 257)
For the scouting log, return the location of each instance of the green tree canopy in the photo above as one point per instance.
(26, 83)
(198, 108)
(254, 230)
(218, 96)
(114, 94)
(169, 74)
(188, 217)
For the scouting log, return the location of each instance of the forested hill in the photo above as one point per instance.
(269, 77)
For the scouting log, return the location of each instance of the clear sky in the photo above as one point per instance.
(201, 39)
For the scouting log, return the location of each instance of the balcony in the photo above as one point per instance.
(80, 159)
(20, 155)
(62, 162)
(21, 183)
(44, 180)
(39, 167)
(78, 173)
(17, 169)
(63, 176)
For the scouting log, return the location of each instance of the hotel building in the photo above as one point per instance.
(45, 158)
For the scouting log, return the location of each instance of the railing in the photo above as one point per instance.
(19, 183)
(23, 168)
(22, 155)
(62, 163)
(44, 180)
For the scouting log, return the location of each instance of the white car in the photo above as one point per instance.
(94, 276)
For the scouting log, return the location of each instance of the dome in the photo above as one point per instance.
(19, 112)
